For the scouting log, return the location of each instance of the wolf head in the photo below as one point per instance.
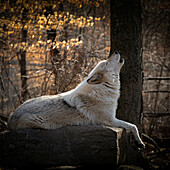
(107, 71)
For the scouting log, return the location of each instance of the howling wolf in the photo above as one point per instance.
(92, 102)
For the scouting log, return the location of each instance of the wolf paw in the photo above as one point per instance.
(140, 145)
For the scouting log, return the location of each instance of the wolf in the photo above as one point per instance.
(93, 102)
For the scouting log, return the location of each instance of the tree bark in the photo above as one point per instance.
(71, 145)
(24, 90)
(22, 61)
(126, 38)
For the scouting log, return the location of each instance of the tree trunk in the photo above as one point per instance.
(24, 90)
(22, 61)
(126, 38)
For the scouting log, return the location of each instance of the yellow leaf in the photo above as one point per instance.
(71, 22)
(60, 16)
(25, 27)
(108, 48)
(48, 41)
(97, 4)
(55, 13)
(90, 17)
(68, 58)
(64, 42)
(54, 27)
(41, 27)
(10, 32)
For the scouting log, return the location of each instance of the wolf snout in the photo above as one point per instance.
(116, 52)
(121, 60)
(115, 57)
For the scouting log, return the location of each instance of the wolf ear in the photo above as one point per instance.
(96, 78)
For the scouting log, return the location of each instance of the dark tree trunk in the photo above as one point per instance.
(22, 61)
(24, 91)
(126, 37)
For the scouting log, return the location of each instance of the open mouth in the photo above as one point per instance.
(121, 60)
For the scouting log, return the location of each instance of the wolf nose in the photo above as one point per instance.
(116, 52)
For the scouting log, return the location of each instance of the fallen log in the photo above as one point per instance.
(71, 145)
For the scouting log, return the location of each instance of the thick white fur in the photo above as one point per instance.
(93, 102)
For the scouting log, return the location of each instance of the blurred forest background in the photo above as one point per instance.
(48, 47)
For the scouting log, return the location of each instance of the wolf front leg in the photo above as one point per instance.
(129, 128)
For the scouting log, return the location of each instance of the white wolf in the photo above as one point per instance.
(92, 102)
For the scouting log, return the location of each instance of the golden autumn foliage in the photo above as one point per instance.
(34, 17)
(55, 41)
